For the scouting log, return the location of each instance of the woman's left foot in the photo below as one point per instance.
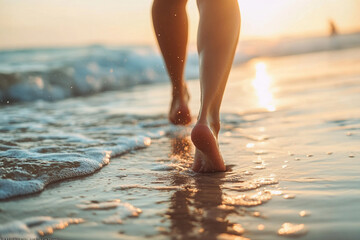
(179, 111)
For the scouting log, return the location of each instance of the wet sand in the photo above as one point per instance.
(290, 136)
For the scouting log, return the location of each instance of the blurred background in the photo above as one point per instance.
(35, 23)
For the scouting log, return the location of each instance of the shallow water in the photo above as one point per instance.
(290, 137)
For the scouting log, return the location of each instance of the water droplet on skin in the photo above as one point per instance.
(309, 155)
(284, 166)
(289, 196)
(297, 159)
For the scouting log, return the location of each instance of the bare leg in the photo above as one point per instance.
(171, 29)
(217, 39)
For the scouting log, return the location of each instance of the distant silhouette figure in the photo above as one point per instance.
(332, 28)
(218, 34)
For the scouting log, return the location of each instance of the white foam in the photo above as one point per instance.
(35, 227)
(137, 186)
(168, 167)
(254, 184)
(247, 200)
(100, 205)
(289, 196)
(292, 230)
(51, 167)
(124, 210)
(10, 188)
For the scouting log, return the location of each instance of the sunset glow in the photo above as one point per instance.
(262, 86)
(59, 22)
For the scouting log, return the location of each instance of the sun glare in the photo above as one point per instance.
(262, 86)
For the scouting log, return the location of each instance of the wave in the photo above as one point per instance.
(25, 171)
(52, 74)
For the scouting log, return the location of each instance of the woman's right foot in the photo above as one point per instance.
(207, 155)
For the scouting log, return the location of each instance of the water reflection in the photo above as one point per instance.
(262, 86)
(197, 211)
(182, 222)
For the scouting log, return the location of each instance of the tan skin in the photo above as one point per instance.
(218, 34)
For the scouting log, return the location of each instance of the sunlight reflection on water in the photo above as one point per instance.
(262, 86)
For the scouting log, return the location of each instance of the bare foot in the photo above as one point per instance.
(179, 111)
(207, 155)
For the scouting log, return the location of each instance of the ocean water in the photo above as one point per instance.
(57, 73)
(290, 138)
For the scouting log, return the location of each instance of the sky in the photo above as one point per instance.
(44, 23)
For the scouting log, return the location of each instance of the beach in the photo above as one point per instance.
(109, 165)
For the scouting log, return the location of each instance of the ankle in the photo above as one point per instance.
(180, 92)
(214, 126)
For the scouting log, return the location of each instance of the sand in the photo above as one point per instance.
(290, 138)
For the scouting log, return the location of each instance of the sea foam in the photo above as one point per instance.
(35, 227)
(26, 171)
